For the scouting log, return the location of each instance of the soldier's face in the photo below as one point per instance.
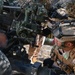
(3, 40)
(67, 46)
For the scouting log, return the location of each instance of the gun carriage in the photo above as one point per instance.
(21, 24)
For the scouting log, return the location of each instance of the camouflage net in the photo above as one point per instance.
(71, 9)
(47, 3)
(44, 2)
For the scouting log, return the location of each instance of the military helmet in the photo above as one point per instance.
(61, 42)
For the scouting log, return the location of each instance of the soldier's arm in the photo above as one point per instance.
(65, 65)
(61, 58)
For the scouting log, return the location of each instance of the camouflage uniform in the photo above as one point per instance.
(65, 60)
(72, 57)
(5, 68)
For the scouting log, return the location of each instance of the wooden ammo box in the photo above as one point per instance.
(65, 29)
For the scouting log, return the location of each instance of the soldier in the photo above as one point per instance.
(65, 58)
(5, 68)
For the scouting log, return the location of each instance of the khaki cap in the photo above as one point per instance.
(67, 38)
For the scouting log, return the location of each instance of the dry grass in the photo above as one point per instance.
(71, 9)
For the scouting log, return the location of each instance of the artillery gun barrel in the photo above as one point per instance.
(12, 7)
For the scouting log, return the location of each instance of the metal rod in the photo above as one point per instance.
(12, 7)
